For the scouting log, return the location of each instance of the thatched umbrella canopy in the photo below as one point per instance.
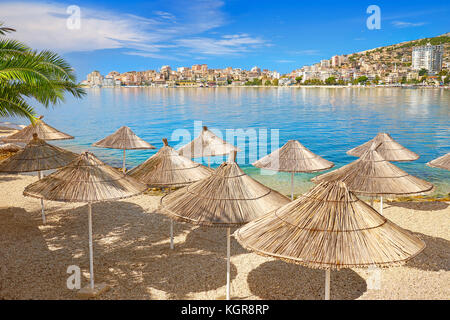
(167, 168)
(10, 147)
(389, 149)
(43, 130)
(293, 157)
(38, 156)
(441, 162)
(86, 179)
(372, 175)
(124, 138)
(227, 198)
(329, 228)
(207, 144)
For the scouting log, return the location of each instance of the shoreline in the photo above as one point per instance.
(291, 87)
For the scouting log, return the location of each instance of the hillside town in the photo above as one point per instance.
(419, 62)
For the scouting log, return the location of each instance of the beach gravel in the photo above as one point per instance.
(132, 255)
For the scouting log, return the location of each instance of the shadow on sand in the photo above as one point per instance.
(131, 254)
(275, 280)
(421, 206)
(213, 240)
(435, 256)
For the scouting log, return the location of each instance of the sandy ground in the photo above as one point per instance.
(132, 255)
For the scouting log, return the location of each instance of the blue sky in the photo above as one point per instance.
(277, 35)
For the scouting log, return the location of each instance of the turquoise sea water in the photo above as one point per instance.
(328, 121)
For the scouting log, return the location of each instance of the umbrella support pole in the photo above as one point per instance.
(91, 250)
(92, 290)
(381, 205)
(123, 165)
(42, 201)
(228, 263)
(327, 284)
(371, 201)
(292, 186)
(209, 162)
(171, 234)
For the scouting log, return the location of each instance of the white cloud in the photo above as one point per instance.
(227, 45)
(285, 61)
(308, 52)
(404, 24)
(162, 35)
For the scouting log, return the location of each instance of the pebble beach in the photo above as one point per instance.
(132, 255)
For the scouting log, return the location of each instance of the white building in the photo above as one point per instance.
(256, 70)
(95, 78)
(428, 57)
(325, 63)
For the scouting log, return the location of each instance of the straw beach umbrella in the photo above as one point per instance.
(43, 130)
(167, 169)
(227, 198)
(124, 138)
(38, 156)
(329, 228)
(389, 149)
(207, 144)
(86, 179)
(441, 162)
(293, 157)
(372, 175)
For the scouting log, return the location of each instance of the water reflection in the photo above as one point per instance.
(329, 121)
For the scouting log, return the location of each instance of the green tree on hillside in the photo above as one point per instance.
(423, 72)
(331, 81)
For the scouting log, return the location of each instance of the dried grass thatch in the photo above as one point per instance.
(330, 228)
(389, 149)
(207, 144)
(86, 179)
(167, 168)
(43, 130)
(293, 157)
(10, 147)
(372, 175)
(227, 198)
(37, 155)
(441, 162)
(123, 138)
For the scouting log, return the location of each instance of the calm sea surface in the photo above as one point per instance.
(328, 121)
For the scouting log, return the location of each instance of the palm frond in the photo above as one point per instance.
(5, 30)
(12, 104)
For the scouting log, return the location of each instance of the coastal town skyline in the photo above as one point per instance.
(142, 35)
(423, 61)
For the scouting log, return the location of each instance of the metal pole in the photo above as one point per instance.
(228, 263)
(292, 186)
(42, 201)
(209, 161)
(381, 205)
(91, 250)
(123, 166)
(327, 284)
